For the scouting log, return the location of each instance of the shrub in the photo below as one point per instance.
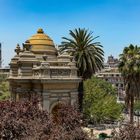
(24, 121)
(127, 132)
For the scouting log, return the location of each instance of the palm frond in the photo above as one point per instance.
(88, 54)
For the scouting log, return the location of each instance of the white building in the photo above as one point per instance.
(111, 74)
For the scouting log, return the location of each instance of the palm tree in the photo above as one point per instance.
(130, 68)
(87, 54)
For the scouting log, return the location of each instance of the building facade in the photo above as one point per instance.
(111, 74)
(4, 73)
(112, 62)
(0, 56)
(38, 69)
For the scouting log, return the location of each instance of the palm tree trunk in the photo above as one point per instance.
(131, 109)
(80, 95)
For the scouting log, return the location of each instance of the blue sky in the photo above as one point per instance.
(117, 22)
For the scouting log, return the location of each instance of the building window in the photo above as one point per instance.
(121, 85)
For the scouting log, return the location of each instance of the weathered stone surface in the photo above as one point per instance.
(37, 69)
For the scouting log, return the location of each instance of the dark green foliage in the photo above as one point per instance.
(87, 53)
(130, 68)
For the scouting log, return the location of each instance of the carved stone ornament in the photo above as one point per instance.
(45, 65)
(17, 49)
(60, 72)
(36, 73)
(27, 45)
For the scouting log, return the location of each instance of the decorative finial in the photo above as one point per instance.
(45, 57)
(73, 60)
(17, 49)
(40, 31)
(27, 42)
(27, 45)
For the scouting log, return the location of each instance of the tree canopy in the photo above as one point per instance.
(130, 68)
(4, 90)
(100, 102)
(87, 53)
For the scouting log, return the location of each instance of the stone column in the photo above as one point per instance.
(74, 97)
(46, 101)
(17, 96)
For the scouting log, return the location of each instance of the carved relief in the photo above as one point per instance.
(73, 72)
(54, 72)
(46, 72)
(60, 72)
(36, 73)
(63, 72)
(45, 65)
(60, 86)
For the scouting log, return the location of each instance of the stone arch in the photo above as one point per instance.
(55, 105)
(54, 111)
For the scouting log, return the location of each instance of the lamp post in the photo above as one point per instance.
(91, 127)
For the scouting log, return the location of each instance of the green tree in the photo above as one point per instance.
(4, 90)
(137, 105)
(100, 102)
(87, 54)
(3, 77)
(130, 68)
